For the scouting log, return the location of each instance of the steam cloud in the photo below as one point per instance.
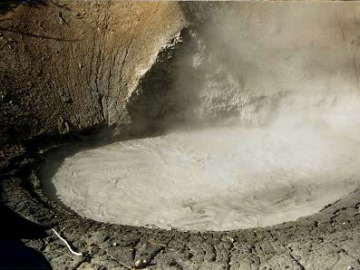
(280, 84)
(254, 60)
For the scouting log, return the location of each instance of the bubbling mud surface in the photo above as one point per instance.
(223, 177)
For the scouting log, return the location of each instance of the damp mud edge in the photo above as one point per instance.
(188, 135)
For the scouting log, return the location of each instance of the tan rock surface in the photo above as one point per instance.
(72, 65)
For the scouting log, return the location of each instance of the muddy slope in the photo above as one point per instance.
(70, 67)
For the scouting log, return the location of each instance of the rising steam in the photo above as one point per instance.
(279, 84)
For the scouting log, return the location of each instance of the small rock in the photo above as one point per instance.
(63, 126)
(140, 263)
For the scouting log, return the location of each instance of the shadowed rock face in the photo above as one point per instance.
(70, 66)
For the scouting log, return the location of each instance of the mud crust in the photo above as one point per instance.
(327, 240)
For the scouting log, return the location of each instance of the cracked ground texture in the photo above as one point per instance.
(327, 240)
(47, 52)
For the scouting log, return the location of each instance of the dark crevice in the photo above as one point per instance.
(37, 35)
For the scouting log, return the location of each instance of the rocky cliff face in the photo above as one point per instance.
(70, 66)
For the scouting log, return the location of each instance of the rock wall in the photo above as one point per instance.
(69, 65)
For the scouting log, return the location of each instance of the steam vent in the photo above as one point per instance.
(179, 135)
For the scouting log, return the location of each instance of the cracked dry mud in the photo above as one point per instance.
(327, 240)
(47, 52)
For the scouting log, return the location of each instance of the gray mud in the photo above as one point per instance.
(326, 240)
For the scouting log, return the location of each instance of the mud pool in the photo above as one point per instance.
(287, 144)
(220, 178)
